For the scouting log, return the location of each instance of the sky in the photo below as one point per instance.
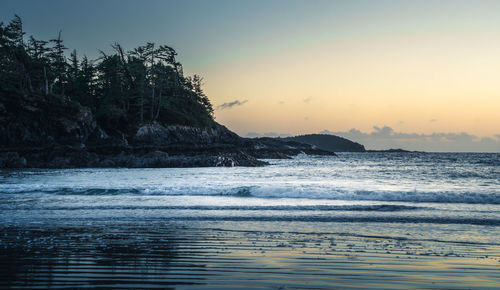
(423, 75)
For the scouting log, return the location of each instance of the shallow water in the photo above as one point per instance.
(440, 205)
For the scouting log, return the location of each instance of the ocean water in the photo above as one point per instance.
(434, 198)
(445, 190)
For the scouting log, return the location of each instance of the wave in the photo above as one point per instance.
(394, 219)
(469, 175)
(356, 219)
(380, 207)
(322, 193)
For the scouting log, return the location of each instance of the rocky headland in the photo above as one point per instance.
(44, 136)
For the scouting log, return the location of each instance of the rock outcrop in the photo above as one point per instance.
(12, 160)
(158, 135)
(71, 138)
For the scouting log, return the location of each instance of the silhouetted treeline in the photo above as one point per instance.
(123, 89)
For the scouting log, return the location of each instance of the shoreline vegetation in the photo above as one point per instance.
(125, 109)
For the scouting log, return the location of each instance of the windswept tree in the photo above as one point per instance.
(59, 64)
(39, 52)
(86, 89)
(16, 62)
(124, 89)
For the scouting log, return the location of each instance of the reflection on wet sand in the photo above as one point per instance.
(175, 255)
(91, 256)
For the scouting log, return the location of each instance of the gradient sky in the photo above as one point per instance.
(296, 67)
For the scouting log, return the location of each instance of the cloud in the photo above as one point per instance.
(229, 105)
(433, 120)
(307, 100)
(385, 138)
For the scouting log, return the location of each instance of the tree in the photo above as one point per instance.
(121, 88)
(59, 61)
(86, 88)
(17, 61)
(38, 51)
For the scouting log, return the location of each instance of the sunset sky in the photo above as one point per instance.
(420, 68)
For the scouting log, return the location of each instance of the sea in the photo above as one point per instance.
(378, 219)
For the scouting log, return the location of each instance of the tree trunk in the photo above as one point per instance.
(62, 84)
(46, 81)
(28, 79)
(159, 105)
(142, 100)
(152, 103)
(152, 83)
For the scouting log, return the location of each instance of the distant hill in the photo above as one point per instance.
(328, 142)
(392, 150)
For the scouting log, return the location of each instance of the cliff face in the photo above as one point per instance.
(45, 125)
(42, 136)
(158, 135)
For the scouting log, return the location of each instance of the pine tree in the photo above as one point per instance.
(38, 51)
(59, 61)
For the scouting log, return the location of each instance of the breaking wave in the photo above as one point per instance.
(267, 191)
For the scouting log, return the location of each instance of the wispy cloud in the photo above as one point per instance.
(229, 105)
(307, 100)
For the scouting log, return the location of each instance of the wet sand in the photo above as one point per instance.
(191, 255)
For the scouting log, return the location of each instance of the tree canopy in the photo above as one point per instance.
(124, 89)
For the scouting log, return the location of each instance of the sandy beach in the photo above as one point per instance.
(176, 255)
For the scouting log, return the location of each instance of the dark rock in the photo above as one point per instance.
(12, 160)
(26, 128)
(158, 135)
(271, 148)
(107, 163)
(63, 158)
(159, 159)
